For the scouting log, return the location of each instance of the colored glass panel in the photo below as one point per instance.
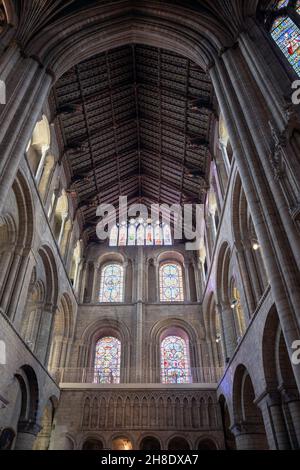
(171, 284)
(287, 36)
(175, 366)
(107, 361)
(111, 289)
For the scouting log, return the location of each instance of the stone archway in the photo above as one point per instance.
(178, 443)
(150, 443)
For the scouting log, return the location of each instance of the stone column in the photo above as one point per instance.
(26, 436)
(187, 296)
(139, 364)
(96, 285)
(82, 286)
(271, 408)
(249, 436)
(15, 266)
(291, 401)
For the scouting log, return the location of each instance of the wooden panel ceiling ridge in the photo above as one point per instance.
(134, 121)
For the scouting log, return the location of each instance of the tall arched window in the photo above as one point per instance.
(112, 278)
(175, 361)
(107, 361)
(285, 31)
(171, 283)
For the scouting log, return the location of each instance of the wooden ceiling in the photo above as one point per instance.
(136, 122)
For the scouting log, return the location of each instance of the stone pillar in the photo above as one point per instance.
(139, 364)
(96, 285)
(271, 408)
(225, 156)
(15, 266)
(83, 281)
(187, 296)
(291, 401)
(249, 436)
(26, 436)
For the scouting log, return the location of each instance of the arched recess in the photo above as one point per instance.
(150, 443)
(249, 428)
(93, 444)
(172, 278)
(223, 276)
(207, 444)
(105, 327)
(63, 330)
(180, 327)
(283, 400)
(248, 249)
(44, 317)
(178, 443)
(100, 264)
(16, 238)
(29, 398)
(214, 335)
(226, 424)
(38, 147)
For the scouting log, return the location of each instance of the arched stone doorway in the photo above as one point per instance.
(249, 426)
(92, 444)
(178, 443)
(226, 422)
(207, 444)
(150, 443)
(122, 443)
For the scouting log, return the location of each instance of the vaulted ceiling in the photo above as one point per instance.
(134, 121)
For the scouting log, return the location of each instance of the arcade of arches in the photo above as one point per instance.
(139, 342)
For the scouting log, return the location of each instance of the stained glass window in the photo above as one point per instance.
(107, 361)
(175, 367)
(114, 235)
(140, 235)
(167, 235)
(132, 233)
(158, 235)
(287, 36)
(171, 284)
(123, 235)
(111, 289)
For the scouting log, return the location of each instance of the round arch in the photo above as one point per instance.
(178, 443)
(99, 329)
(155, 338)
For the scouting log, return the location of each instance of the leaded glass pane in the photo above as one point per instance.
(114, 235)
(167, 235)
(107, 361)
(287, 36)
(112, 283)
(171, 284)
(131, 234)
(175, 366)
(123, 235)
